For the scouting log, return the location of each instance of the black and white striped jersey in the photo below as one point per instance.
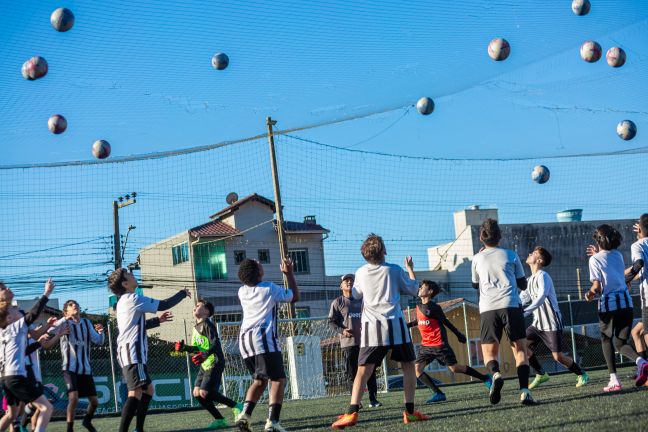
(543, 303)
(260, 305)
(639, 251)
(607, 267)
(32, 361)
(132, 343)
(75, 346)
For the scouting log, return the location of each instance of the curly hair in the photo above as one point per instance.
(643, 224)
(490, 233)
(68, 303)
(545, 255)
(607, 237)
(115, 282)
(373, 249)
(431, 285)
(208, 305)
(249, 272)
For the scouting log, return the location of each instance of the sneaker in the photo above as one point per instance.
(489, 381)
(345, 420)
(539, 379)
(414, 417)
(582, 380)
(642, 374)
(243, 422)
(374, 404)
(437, 397)
(526, 398)
(218, 424)
(496, 388)
(23, 428)
(272, 426)
(237, 410)
(612, 387)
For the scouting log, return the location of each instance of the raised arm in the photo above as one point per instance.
(36, 310)
(175, 299)
(96, 332)
(288, 270)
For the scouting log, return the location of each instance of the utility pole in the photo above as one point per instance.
(283, 246)
(117, 204)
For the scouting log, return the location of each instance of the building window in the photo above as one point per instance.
(476, 356)
(210, 261)
(300, 260)
(228, 317)
(239, 256)
(180, 253)
(302, 312)
(264, 256)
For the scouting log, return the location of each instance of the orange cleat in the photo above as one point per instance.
(345, 420)
(415, 417)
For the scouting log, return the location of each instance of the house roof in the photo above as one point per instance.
(236, 205)
(214, 228)
(301, 227)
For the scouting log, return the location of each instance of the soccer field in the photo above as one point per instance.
(561, 407)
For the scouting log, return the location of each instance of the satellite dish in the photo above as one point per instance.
(232, 197)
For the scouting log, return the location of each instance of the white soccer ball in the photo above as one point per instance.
(220, 61)
(540, 174)
(101, 149)
(34, 68)
(615, 57)
(499, 49)
(581, 7)
(425, 105)
(626, 130)
(590, 51)
(57, 124)
(62, 19)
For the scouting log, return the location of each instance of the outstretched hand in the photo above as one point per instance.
(187, 292)
(409, 263)
(286, 266)
(592, 250)
(99, 328)
(166, 316)
(49, 287)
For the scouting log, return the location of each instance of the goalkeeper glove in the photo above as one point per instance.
(199, 358)
(179, 346)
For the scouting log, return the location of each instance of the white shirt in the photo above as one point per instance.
(380, 288)
(541, 295)
(13, 342)
(132, 343)
(639, 250)
(607, 267)
(260, 304)
(496, 269)
(75, 347)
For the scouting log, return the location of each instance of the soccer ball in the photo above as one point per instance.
(220, 61)
(581, 7)
(615, 57)
(590, 51)
(57, 124)
(34, 68)
(62, 19)
(540, 174)
(101, 149)
(425, 105)
(626, 130)
(499, 49)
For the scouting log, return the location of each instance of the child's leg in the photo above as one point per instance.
(254, 393)
(276, 396)
(44, 413)
(637, 338)
(372, 386)
(9, 416)
(467, 370)
(360, 381)
(202, 396)
(92, 407)
(490, 351)
(130, 409)
(419, 369)
(409, 383)
(568, 362)
(73, 399)
(606, 327)
(142, 407)
(520, 352)
(622, 322)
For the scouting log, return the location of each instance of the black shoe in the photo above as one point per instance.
(374, 404)
(88, 425)
(496, 388)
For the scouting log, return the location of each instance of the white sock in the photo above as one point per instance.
(614, 379)
(640, 361)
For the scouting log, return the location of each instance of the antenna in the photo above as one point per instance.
(232, 197)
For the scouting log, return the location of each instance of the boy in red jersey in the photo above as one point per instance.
(432, 323)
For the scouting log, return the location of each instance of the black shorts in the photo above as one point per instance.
(210, 379)
(84, 384)
(644, 319)
(266, 366)
(374, 355)
(18, 388)
(617, 323)
(443, 354)
(552, 339)
(136, 376)
(509, 320)
(31, 376)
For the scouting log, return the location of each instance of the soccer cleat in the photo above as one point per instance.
(526, 398)
(218, 424)
(436, 397)
(612, 387)
(243, 422)
(489, 381)
(237, 410)
(582, 380)
(496, 388)
(414, 417)
(345, 420)
(374, 404)
(272, 426)
(539, 379)
(642, 374)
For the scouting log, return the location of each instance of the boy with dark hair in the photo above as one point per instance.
(498, 274)
(132, 343)
(208, 353)
(258, 339)
(379, 285)
(432, 323)
(345, 319)
(639, 256)
(547, 326)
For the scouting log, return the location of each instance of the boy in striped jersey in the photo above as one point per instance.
(380, 285)
(132, 343)
(547, 326)
(258, 339)
(77, 372)
(615, 304)
(639, 256)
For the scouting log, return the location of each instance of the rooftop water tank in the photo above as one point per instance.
(571, 215)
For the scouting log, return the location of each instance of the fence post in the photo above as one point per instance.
(112, 368)
(385, 377)
(571, 321)
(191, 401)
(223, 379)
(463, 305)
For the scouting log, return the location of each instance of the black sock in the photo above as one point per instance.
(209, 406)
(87, 418)
(70, 426)
(493, 366)
(142, 410)
(576, 369)
(473, 373)
(535, 364)
(409, 407)
(128, 412)
(523, 376)
(642, 354)
(248, 407)
(221, 399)
(429, 382)
(274, 412)
(353, 409)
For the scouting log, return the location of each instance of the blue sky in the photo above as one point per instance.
(138, 74)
